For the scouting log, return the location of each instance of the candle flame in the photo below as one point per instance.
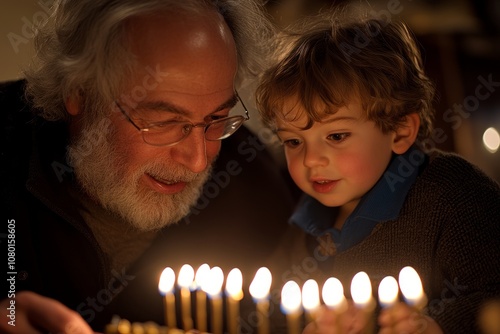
(361, 289)
(214, 282)
(202, 275)
(388, 291)
(167, 281)
(310, 295)
(261, 284)
(333, 293)
(411, 286)
(290, 297)
(234, 283)
(186, 276)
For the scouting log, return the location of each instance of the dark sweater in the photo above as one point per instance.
(448, 230)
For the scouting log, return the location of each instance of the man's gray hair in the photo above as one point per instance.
(81, 52)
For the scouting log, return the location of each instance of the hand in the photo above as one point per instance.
(327, 321)
(35, 314)
(402, 318)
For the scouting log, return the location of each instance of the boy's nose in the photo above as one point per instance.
(314, 156)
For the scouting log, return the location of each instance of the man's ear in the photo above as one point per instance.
(406, 134)
(72, 104)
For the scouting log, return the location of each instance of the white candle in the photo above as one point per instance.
(200, 279)
(333, 294)
(388, 292)
(361, 292)
(310, 299)
(213, 289)
(259, 290)
(166, 287)
(291, 305)
(411, 287)
(334, 299)
(185, 281)
(234, 294)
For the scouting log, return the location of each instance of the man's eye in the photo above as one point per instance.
(291, 143)
(338, 137)
(162, 126)
(216, 117)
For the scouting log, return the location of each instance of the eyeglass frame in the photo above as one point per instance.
(205, 126)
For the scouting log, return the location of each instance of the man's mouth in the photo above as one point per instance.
(163, 185)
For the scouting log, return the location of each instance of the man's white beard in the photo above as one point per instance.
(103, 175)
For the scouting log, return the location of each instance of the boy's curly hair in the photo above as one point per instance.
(328, 63)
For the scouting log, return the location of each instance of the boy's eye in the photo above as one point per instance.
(291, 142)
(338, 137)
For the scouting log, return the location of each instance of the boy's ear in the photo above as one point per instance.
(406, 134)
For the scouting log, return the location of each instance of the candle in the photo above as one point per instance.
(388, 295)
(213, 289)
(166, 287)
(411, 287)
(333, 294)
(361, 292)
(388, 292)
(201, 279)
(185, 281)
(310, 299)
(334, 299)
(259, 290)
(234, 293)
(290, 305)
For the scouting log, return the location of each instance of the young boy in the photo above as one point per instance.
(351, 104)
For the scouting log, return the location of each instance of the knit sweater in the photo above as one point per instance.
(448, 230)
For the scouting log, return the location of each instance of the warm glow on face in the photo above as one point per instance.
(290, 297)
(214, 282)
(186, 276)
(310, 295)
(167, 281)
(388, 291)
(333, 293)
(261, 284)
(411, 286)
(234, 283)
(361, 289)
(491, 140)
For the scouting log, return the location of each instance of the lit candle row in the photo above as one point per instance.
(207, 282)
(293, 301)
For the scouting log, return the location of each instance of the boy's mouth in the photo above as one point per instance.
(324, 186)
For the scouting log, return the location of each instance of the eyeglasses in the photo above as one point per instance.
(169, 133)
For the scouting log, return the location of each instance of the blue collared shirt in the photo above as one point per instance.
(382, 203)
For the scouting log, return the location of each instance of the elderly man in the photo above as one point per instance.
(118, 132)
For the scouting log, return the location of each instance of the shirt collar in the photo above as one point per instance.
(382, 203)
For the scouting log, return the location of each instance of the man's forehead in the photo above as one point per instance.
(173, 30)
(194, 54)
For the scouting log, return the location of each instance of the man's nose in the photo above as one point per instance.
(192, 150)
